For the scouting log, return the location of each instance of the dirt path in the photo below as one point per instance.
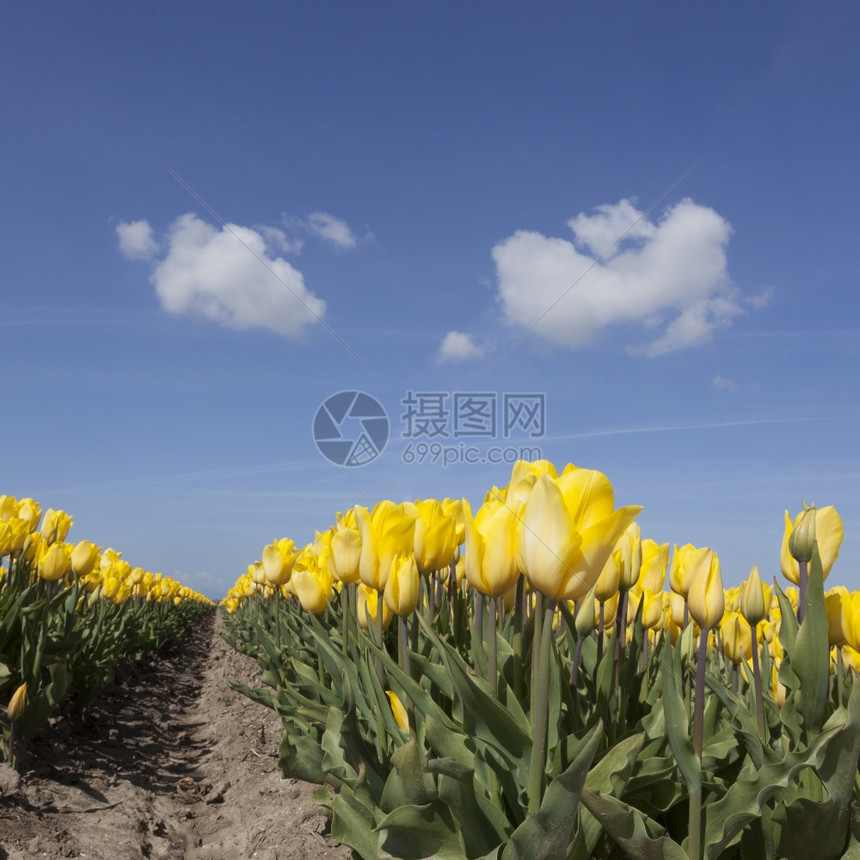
(169, 764)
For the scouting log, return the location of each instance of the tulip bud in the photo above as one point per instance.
(54, 561)
(752, 599)
(84, 557)
(802, 539)
(585, 616)
(278, 559)
(706, 599)
(16, 705)
(403, 586)
(400, 715)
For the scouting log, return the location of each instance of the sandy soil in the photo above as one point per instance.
(169, 763)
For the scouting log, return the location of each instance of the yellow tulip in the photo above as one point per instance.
(828, 533)
(55, 525)
(54, 561)
(84, 557)
(523, 477)
(387, 531)
(30, 511)
(706, 597)
(568, 531)
(737, 638)
(278, 560)
(609, 580)
(839, 607)
(655, 560)
(312, 582)
(491, 546)
(652, 611)
(680, 576)
(400, 715)
(15, 708)
(403, 586)
(369, 603)
(435, 535)
(346, 554)
(8, 508)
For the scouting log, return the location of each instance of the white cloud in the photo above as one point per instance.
(333, 229)
(669, 275)
(230, 276)
(721, 383)
(458, 346)
(136, 240)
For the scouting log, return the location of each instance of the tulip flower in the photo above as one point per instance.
(30, 511)
(401, 590)
(15, 708)
(54, 561)
(435, 537)
(55, 525)
(839, 608)
(387, 531)
(523, 477)
(655, 560)
(680, 575)
(370, 603)
(755, 598)
(491, 546)
(706, 597)
(569, 529)
(827, 532)
(278, 560)
(345, 554)
(84, 557)
(400, 715)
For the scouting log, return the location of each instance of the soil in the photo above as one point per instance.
(168, 763)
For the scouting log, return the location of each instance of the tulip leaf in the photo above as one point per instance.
(546, 834)
(412, 832)
(810, 659)
(352, 824)
(788, 621)
(629, 828)
(677, 726)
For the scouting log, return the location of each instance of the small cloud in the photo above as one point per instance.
(761, 299)
(136, 241)
(720, 383)
(668, 275)
(332, 229)
(277, 238)
(230, 276)
(458, 346)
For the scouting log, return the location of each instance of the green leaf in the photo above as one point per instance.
(546, 834)
(414, 832)
(631, 829)
(352, 824)
(677, 727)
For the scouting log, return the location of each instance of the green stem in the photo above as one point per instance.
(759, 699)
(278, 618)
(694, 845)
(803, 580)
(699, 703)
(537, 768)
(344, 621)
(479, 619)
(536, 642)
(517, 645)
(403, 638)
(492, 648)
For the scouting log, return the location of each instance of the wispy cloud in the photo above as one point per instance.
(458, 346)
(721, 383)
(669, 275)
(136, 240)
(331, 229)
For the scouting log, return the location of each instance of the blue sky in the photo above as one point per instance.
(215, 216)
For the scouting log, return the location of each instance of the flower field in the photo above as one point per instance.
(537, 680)
(69, 614)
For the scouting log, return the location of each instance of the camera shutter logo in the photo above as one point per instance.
(351, 428)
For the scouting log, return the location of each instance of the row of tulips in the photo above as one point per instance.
(69, 613)
(542, 695)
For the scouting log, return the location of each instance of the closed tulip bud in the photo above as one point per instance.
(403, 586)
(652, 611)
(629, 550)
(825, 525)
(676, 608)
(54, 561)
(400, 715)
(314, 589)
(802, 538)
(838, 605)
(15, 708)
(753, 606)
(609, 580)
(84, 557)
(585, 617)
(737, 639)
(706, 597)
